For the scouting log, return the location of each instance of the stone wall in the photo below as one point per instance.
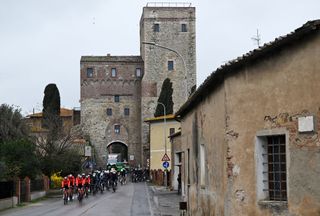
(183, 76)
(98, 94)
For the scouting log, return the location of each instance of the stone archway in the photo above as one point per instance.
(118, 147)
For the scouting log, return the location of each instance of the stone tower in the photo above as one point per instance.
(110, 104)
(119, 92)
(172, 28)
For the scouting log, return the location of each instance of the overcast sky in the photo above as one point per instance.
(41, 41)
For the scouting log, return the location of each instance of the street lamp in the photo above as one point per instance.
(165, 127)
(176, 52)
(165, 140)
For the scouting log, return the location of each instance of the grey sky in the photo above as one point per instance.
(41, 41)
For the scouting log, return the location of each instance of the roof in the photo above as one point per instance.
(109, 58)
(63, 113)
(217, 77)
(160, 118)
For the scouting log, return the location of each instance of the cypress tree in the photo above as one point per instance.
(165, 97)
(51, 106)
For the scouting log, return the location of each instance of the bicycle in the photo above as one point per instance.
(65, 196)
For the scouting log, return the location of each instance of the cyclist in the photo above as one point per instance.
(86, 184)
(65, 184)
(72, 185)
(80, 184)
(114, 179)
(123, 175)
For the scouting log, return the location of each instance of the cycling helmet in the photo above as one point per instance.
(65, 177)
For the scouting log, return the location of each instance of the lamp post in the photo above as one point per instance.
(165, 140)
(176, 52)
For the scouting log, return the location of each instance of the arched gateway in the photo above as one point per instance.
(120, 148)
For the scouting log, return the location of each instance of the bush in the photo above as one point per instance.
(56, 180)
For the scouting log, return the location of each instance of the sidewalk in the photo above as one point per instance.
(163, 201)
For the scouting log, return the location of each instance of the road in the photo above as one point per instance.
(131, 199)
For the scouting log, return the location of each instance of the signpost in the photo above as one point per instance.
(165, 164)
(165, 157)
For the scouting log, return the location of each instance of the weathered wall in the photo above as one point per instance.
(265, 96)
(97, 94)
(273, 94)
(206, 125)
(155, 58)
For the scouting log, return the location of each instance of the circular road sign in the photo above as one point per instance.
(165, 164)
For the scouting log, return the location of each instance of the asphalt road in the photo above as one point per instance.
(131, 199)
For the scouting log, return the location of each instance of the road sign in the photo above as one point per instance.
(165, 157)
(87, 151)
(165, 164)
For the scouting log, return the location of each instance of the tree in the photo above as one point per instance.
(17, 151)
(19, 158)
(12, 125)
(51, 107)
(165, 98)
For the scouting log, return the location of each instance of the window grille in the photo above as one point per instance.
(275, 167)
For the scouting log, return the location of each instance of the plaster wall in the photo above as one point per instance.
(157, 143)
(267, 95)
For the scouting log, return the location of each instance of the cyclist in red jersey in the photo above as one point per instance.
(65, 184)
(72, 185)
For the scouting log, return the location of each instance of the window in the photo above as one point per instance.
(271, 167)
(184, 27)
(113, 72)
(126, 111)
(89, 72)
(275, 162)
(170, 65)
(156, 27)
(109, 112)
(117, 129)
(138, 72)
(117, 98)
(172, 131)
(202, 166)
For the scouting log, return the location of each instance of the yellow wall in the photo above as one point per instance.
(157, 144)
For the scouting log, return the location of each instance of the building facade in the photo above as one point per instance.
(250, 133)
(161, 128)
(112, 86)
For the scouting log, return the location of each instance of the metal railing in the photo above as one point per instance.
(168, 4)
